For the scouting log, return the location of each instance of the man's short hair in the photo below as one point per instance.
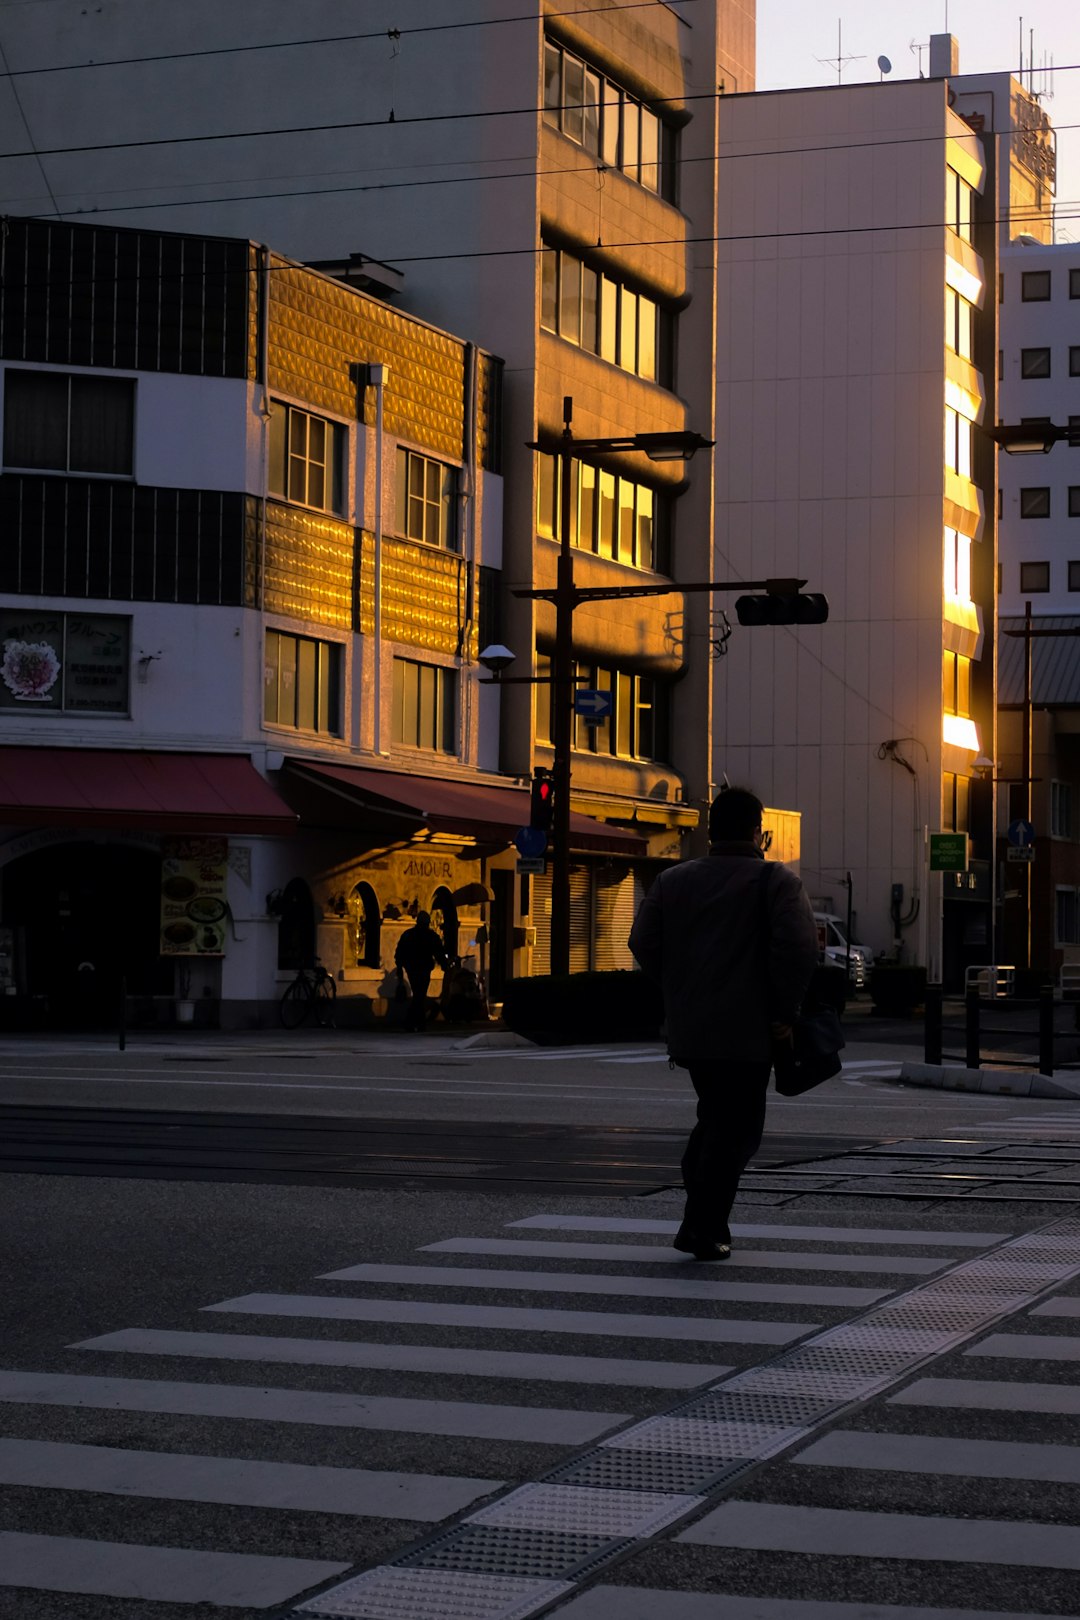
(734, 816)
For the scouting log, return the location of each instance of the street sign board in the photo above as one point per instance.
(593, 704)
(531, 841)
(531, 863)
(1020, 852)
(948, 852)
(1020, 833)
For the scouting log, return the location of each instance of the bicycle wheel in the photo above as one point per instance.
(296, 1003)
(325, 1001)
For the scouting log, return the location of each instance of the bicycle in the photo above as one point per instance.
(312, 991)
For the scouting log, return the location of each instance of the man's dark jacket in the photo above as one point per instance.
(418, 950)
(730, 960)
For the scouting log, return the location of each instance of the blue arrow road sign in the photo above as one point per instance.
(592, 704)
(530, 841)
(1021, 834)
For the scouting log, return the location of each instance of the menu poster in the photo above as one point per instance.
(193, 903)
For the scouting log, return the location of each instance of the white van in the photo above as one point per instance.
(833, 945)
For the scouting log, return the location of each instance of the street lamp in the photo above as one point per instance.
(1033, 438)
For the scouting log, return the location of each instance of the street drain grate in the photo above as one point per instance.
(516, 1556)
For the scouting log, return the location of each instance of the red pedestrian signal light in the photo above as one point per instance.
(808, 607)
(542, 800)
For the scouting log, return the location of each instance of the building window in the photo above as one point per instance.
(1035, 503)
(958, 323)
(637, 726)
(302, 683)
(958, 204)
(957, 442)
(956, 683)
(1066, 917)
(609, 515)
(1035, 577)
(1034, 286)
(64, 663)
(1061, 810)
(425, 706)
(307, 458)
(425, 500)
(957, 573)
(1034, 363)
(955, 803)
(607, 121)
(1074, 576)
(604, 316)
(1074, 283)
(1074, 360)
(1074, 500)
(1074, 432)
(54, 422)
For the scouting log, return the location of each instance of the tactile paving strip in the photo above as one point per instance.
(514, 1557)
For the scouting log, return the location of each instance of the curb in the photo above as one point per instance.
(498, 1040)
(1000, 1082)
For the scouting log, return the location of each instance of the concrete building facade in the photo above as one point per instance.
(857, 357)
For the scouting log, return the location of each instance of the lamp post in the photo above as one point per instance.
(674, 446)
(1031, 439)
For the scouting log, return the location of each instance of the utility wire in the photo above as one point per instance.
(394, 34)
(499, 253)
(530, 111)
(29, 133)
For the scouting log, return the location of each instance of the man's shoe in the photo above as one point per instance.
(702, 1248)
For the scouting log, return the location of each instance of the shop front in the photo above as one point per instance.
(121, 874)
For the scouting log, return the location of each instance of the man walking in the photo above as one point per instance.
(732, 943)
(418, 950)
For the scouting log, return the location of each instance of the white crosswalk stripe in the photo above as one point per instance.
(645, 1295)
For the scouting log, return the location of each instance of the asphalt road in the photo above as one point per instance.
(479, 1393)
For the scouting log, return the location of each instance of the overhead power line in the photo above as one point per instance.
(392, 34)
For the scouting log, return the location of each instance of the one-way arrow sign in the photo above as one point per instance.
(592, 704)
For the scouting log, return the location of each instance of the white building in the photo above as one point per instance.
(1039, 524)
(859, 234)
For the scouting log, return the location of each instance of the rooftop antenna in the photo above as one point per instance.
(884, 65)
(839, 61)
(916, 50)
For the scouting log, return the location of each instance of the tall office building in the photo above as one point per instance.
(545, 185)
(860, 234)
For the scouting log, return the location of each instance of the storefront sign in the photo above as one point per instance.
(67, 661)
(948, 852)
(193, 896)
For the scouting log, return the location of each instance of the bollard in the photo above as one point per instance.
(1046, 1029)
(932, 1024)
(971, 1029)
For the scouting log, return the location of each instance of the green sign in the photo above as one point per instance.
(948, 852)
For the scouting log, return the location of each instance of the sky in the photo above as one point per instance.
(793, 34)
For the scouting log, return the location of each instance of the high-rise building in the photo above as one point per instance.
(545, 184)
(860, 234)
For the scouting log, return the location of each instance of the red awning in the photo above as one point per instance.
(118, 787)
(488, 813)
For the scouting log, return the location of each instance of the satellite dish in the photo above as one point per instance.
(884, 64)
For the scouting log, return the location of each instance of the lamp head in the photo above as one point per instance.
(497, 658)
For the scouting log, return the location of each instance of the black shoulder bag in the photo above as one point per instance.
(813, 1054)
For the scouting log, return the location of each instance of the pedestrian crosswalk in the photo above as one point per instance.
(414, 1397)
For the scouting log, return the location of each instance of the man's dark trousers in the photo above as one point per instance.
(416, 1018)
(731, 1119)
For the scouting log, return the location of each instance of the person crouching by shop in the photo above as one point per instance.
(418, 950)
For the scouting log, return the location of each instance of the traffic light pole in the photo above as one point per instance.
(565, 597)
(562, 704)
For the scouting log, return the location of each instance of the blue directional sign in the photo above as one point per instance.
(1021, 834)
(592, 704)
(530, 841)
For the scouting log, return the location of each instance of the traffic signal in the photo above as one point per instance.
(808, 607)
(542, 800)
